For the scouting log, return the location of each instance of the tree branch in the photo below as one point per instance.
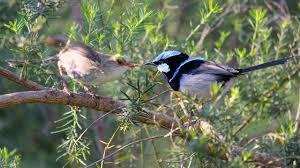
(46, 95)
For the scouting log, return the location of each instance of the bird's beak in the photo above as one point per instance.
(131, 65)
(149, 63)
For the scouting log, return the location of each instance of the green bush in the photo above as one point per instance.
(258, 113)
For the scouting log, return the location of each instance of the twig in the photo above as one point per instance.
(244, 124)
(297, 120)
(124, 147)
(182, 159)
(108, 146)
(154, 148)
(104, 115)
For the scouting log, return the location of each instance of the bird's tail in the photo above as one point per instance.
(264, 65)
(58, 41)
(21, 63)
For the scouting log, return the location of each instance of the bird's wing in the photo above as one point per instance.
(87, 51)
(93, 55)
(210, 67)
(200, 66)
(70, 45)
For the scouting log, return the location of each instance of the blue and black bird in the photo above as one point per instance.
(195, 76)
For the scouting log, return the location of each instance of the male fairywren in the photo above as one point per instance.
(195, 76)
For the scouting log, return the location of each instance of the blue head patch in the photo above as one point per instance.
(166, 54)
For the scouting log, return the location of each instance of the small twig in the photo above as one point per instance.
(124, 147)
(158, 95)
(183, 159)
(243, 124)
(297, 120)
(208, 29)
(104, 115)
(108, 146)
(154, 148)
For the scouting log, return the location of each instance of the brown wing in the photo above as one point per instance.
(60, 41)
(87, 51)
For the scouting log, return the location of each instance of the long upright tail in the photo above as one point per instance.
(264, 65)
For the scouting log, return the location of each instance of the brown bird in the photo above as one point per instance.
(85, 64)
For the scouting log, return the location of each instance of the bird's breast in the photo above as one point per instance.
(197, 84)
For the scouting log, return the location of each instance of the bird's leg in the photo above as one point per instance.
(87, 89)
(63, 82)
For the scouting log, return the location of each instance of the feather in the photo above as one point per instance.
(166, 54)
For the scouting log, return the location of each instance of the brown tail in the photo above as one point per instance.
(57, 41)
(20, 63)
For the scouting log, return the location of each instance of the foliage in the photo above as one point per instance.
(9, 159)
(256, 113)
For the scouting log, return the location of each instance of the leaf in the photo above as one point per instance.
(40, 21)
(214, 89)
(103, 142)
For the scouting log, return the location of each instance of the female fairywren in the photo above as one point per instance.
(195, 76)
(86, 65)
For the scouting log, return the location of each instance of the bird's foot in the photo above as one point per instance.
(94, 96)
(66, 89)
(87, 91)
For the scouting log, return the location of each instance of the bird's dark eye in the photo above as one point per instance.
(120, 61)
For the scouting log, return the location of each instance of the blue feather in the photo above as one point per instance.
(166, 54)
(185, 62)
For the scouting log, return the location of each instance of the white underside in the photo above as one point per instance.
(199, 85)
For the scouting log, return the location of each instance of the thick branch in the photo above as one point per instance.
(53, 96)
(105, 104)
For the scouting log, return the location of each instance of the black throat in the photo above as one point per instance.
(174, 63)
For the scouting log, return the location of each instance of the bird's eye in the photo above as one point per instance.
(120, 61)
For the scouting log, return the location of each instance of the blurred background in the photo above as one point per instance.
(261, 111)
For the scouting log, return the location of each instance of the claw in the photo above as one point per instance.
(94, 96)
(87, 90)
(65, 88)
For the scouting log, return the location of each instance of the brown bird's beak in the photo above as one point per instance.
(131, 65)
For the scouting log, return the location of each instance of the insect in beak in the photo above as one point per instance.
(131, 65)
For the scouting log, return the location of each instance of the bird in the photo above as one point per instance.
(195, 76)
(85, 64)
